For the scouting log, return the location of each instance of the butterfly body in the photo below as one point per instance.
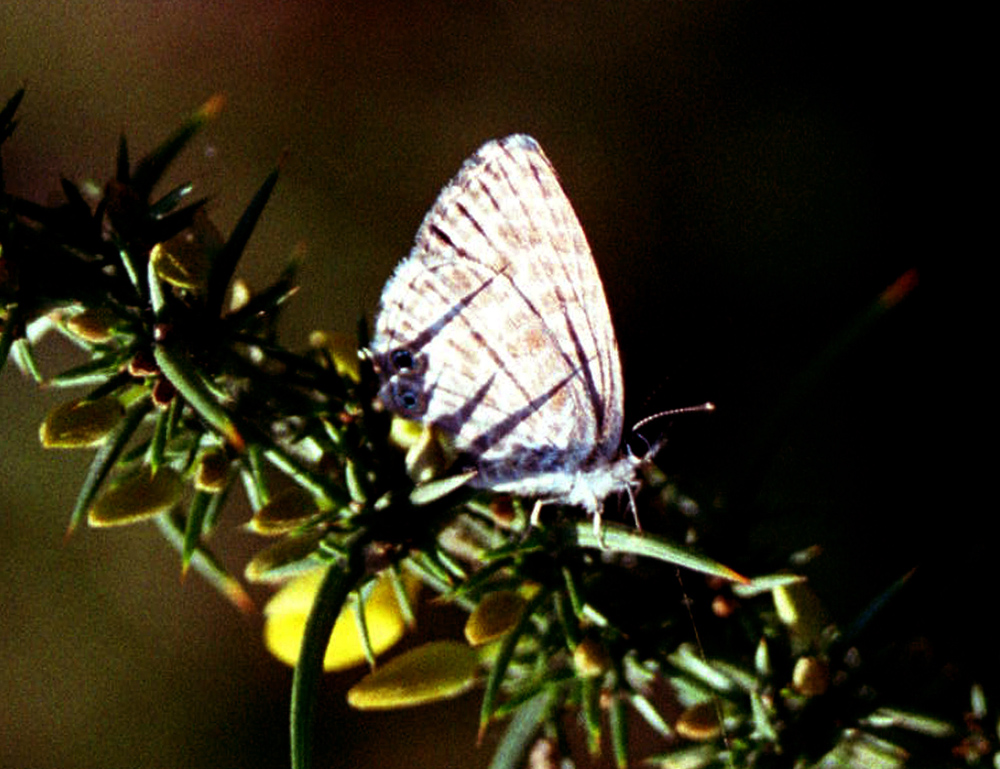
(496, 331)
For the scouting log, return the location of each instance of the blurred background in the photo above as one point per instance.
(750, 176)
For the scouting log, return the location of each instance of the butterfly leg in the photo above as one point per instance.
(634, 506)
(536, 513)
(598, 531)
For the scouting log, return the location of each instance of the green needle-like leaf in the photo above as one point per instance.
(7, 122)
(215, 504)
(872, 610)
(75, 201)
(166, 227)
(503, 658)
(626, 540)
(190, 385)
(590, 692)
(26, 359)
(95, 371)
(524, 727)
(105, 459)
(206, 564)
(650, 715)
(225, 261)
(434, 490)
(171, 200)
(159, 442)
(618, 724)
(337, 584)
(157, 297)
(132, 269)
(193, 525)
(363, 634)
(267, 302)
(327, 494)
(254, 479)
(402, 597)
(111, 386)
(151, 168)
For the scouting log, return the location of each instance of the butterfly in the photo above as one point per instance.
(496, 331)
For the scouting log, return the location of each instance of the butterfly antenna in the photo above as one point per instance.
(707, 406)
(652, 449)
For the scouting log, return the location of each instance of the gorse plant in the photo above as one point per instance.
(188, 394)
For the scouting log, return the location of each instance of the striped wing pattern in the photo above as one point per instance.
(495, 328)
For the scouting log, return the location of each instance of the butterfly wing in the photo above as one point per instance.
(495, 328)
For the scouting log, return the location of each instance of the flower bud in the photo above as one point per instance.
(80, 424)
(435, 671)
(699, 722)
(140, 496)
(590, 658)
(496, 614)
(811, 676)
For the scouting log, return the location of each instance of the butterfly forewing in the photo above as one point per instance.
(496, 330)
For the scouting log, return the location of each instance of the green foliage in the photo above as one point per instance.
(204, 398)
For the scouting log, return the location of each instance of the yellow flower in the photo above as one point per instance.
(288, 609)
(342, 348)
(429, 450)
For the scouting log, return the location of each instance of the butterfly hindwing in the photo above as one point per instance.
(495, 328)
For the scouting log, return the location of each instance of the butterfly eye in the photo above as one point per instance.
(402, 360)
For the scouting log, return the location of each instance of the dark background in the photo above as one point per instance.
(750, 176)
